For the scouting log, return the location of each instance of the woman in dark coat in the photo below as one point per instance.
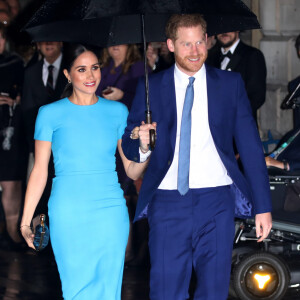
(12, 147)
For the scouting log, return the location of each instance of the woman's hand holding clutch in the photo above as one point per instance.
(28, 235)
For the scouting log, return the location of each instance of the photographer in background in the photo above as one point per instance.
(286, 156)
(12, 143)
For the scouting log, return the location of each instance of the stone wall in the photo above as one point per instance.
(280, 21)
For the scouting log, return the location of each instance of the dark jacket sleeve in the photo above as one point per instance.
(136, 116)
(28, 110)
(255, 80)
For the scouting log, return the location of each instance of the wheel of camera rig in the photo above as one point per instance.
(261, 276)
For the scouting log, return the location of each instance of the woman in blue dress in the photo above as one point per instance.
(87, 212)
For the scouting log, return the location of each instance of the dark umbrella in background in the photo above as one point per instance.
(113, 22)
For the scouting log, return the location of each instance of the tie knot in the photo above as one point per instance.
(191, 80)
(50, 68)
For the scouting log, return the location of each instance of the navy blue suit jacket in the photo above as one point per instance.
(230, 118)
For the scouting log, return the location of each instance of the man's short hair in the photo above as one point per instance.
(185, 20)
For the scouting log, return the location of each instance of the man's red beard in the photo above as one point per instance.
(189, 66)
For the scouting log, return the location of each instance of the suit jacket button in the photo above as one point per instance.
(135, 158)
(169, 162)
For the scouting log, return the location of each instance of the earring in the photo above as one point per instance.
(69, 80)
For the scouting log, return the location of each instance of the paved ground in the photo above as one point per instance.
(30, 276)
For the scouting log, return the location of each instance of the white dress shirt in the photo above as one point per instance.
(56, 66)
(226, 60)
(206, 167)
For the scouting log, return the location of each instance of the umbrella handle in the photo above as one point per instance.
(151, 131)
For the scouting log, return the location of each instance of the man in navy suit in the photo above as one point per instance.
(195, 228)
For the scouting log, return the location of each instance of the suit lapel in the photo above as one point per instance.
(169, 99)
(41, 98)
(236, 57)
(39, 74)
(214, 98)
(61, 79)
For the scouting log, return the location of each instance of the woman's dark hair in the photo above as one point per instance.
(70, 54)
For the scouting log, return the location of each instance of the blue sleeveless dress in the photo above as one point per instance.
(88, 216)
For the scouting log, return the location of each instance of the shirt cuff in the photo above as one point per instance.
(144, 156)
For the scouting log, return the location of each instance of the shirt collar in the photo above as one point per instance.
(182, 77)
(56, 63)
(232, 48)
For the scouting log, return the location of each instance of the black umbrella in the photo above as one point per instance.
(120, 21)
(106, 22)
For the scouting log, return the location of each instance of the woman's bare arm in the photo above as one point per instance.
(36, 185)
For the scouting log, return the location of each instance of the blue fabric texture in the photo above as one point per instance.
(88, 216)
(185, 139)
(229, 116)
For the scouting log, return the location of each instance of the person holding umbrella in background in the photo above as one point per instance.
(193, 187)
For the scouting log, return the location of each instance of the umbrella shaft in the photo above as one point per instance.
(146, 69)
(148, 117)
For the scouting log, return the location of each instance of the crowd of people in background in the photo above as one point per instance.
(31, 75)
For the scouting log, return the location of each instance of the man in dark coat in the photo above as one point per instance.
(44, 83)
(231, 54)
(35, 90)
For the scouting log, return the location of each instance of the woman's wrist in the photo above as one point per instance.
(24, 225)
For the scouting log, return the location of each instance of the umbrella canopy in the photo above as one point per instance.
(107, 22)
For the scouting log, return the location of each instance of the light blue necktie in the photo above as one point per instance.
(185, 140)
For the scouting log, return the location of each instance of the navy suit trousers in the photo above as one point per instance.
(191, 231)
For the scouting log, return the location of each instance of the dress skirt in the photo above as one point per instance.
(89, 227)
